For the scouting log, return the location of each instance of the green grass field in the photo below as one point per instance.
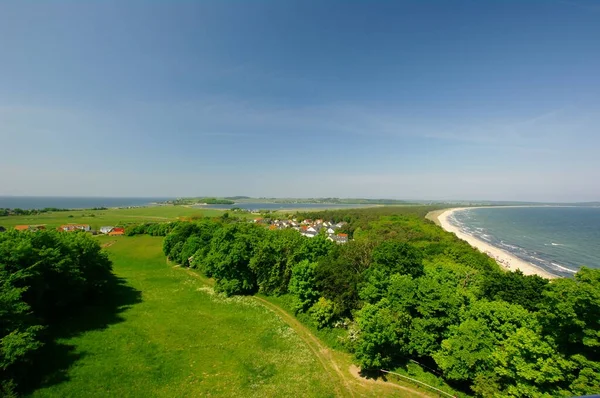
(113, 217)
(165, 333)
(174, 337)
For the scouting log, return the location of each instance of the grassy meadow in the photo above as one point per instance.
(114, 217)
(172, 336)
(165, 333)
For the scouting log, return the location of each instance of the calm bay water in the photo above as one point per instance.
(40, 202)
(557, 239)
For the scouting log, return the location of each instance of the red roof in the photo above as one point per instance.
(343, 235)
(21, 227)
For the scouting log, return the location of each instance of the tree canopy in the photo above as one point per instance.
(44, 277)
(402, 289)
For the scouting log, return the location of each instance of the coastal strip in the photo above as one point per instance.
(503, 258)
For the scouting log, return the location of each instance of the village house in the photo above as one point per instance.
(117, 232)
(339, 238)
(32, 228)
(74, 227)
(308, 228)
(105, 230)
(309, 234)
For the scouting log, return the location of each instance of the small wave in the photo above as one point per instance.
(564, 268)
(510, 246)
(557, 244)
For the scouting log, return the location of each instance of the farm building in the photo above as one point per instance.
(74, 227)
(105, 230)
(32, 228)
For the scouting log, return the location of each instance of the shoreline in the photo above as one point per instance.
(504, 259)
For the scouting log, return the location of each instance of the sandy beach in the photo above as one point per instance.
(503, 258)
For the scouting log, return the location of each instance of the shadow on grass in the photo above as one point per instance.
(54, 359)
(377, 374)
(371, 374)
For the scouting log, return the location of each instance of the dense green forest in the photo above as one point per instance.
(45, 277)
(403, 289)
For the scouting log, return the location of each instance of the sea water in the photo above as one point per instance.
(40, 202)
(559, 240)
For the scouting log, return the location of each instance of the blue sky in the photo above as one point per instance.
(494, 100)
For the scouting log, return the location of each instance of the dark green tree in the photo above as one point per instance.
(303, 285)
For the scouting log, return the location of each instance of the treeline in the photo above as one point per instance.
(403, 289)
(28, 212)
(243, 257)
(207, 201)
(32, 212)
(45, 276)
(349, 201)
(361, 218)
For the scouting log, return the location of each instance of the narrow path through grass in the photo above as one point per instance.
(352, 382)
(182, 340)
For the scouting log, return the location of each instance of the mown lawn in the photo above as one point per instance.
(172, 337)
